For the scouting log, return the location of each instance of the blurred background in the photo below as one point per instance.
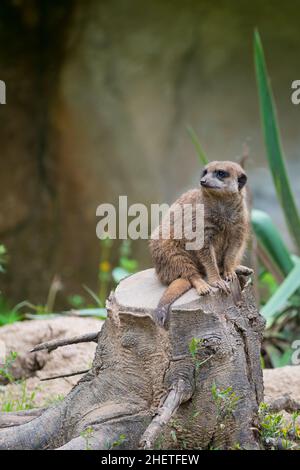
(99, 96)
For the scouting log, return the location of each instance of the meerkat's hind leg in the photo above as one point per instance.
(200, 285)
(243, 270)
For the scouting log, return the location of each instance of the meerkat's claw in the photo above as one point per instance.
(201, 286)
(222, 285)
(230, 276)
(204, 290)
(243, 270)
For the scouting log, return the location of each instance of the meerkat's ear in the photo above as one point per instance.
(242, 180)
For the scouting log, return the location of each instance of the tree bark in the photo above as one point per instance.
(196, 384)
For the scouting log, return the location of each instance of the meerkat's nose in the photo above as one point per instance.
(203, 181)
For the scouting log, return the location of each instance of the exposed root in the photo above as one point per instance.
(57, 343)
(179, 393)
(114, 432)
(39, 433)
(20, 417)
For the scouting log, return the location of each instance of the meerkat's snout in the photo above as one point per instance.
(203, 182)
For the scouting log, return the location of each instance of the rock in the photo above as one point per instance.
(2, 352)
(282, 380)
(23, 336)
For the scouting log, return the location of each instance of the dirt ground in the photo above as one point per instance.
(22, 337)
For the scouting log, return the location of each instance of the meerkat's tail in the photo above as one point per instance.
(175, 290)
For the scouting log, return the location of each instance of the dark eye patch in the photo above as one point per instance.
(204, 172)
(221, 174)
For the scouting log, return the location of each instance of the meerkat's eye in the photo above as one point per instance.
(221, 174)
(204, 172)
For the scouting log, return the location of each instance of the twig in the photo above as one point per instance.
(79, 372)
(179, 393)
(57, 343)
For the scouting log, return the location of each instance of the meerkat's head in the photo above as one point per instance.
(223, 178)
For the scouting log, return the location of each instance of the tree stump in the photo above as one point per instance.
(196, 384)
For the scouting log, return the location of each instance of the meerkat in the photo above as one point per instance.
(226, 228)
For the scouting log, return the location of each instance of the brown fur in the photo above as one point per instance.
(226, 228)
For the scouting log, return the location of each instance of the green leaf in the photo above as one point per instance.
(76, 300)
(270, 240)
(201, 155)
(273, 143)
(278, 358)
(9, 318)
(282, 295)
(130, 265)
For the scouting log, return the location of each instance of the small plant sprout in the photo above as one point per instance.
(19, 400)
(87, 434)
(5, 371)
(3, 258)
(173, 436)
(236, 446)
(225, 400)
(274, 431)
(196, 345)
(270, 423)
(295, 427)
(118, 442)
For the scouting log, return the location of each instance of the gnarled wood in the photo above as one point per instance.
(178, 394)
(149, 386)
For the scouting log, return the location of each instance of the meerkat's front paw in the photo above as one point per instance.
(220, 284)
(243, 270)
(201, 286)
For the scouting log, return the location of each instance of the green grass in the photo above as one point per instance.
(275, 432)
(18, 400)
